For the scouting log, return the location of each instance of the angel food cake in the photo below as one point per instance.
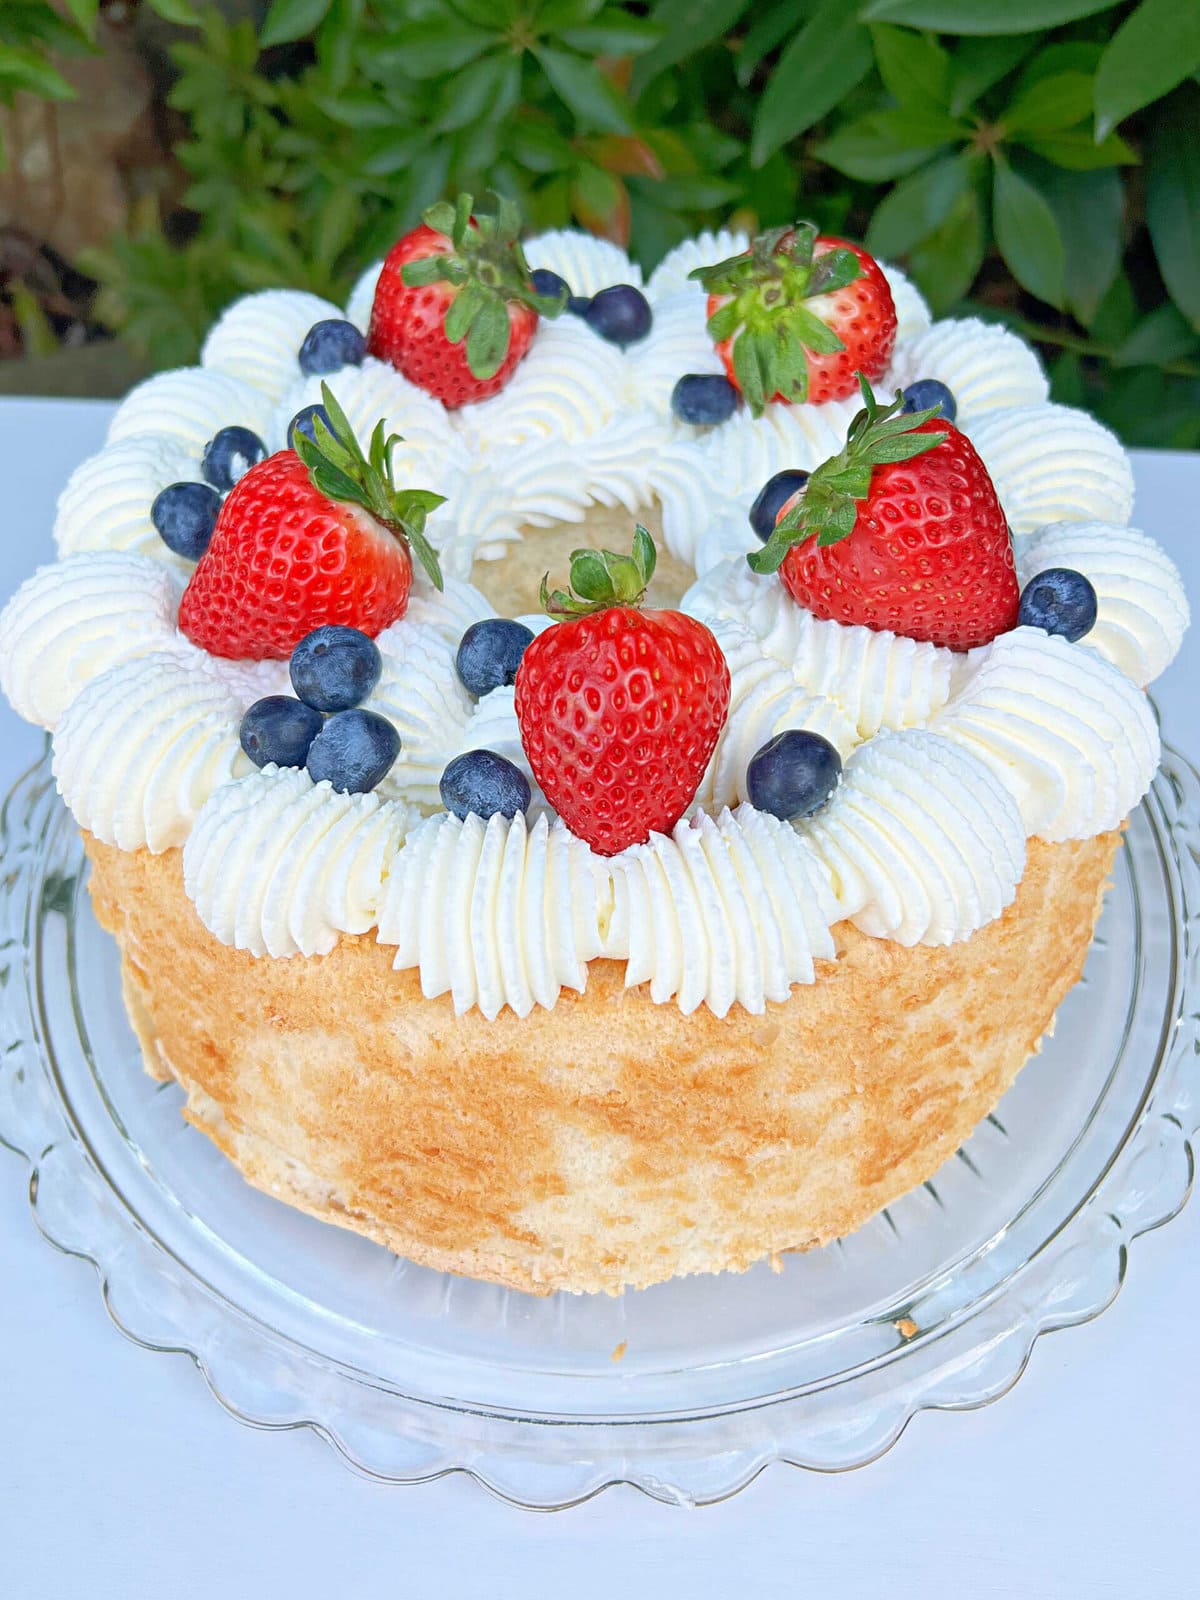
(682, 909)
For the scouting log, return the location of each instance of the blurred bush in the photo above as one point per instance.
(1033, 161)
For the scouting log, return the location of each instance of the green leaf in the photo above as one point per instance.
(580, 84)
(946, 262)
(983, 16)
(26, 69)
(1164, 335)
(1173, 198)
(1090, 210)
(914, 68)
(486, 91)
(825, 60)
(291, 19)
(614, 33)
(917, 205)
(765, 34)
(1027, 235)
(1078, 151)
(463, 309)
(1050, 104)
(1156, 47)
(685, 26)
(487, 342)
(539, 147)
(180, 11)
(980, 63)
(440, 45)
(881, 145)
(84, 13)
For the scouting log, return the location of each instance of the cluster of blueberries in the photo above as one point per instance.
(324, 728)
(185, 514)
(620, 314)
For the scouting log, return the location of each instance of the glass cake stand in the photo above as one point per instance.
(686, 1390)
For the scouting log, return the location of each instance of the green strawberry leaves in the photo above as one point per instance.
(488, 269)
(827, 507)
(764, 311)
(603, 578)
(340, 471)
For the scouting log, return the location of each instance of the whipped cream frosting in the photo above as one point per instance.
(141, 748)
(258, 337)
(1071, 738)
(728, 908)
(73, 620)
(1142, 610)
(880, 679)
(495, 913)
(905, 864)
(951, 761)
(281, 866)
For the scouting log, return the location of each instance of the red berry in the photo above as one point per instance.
(283, 560)
(620, 711)
(929, 556)
(776, 292)
(408, 322)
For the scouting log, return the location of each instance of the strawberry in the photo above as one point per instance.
(619, 708)
(798, 315)
(900, 531)
(309, 536)
(455, 307)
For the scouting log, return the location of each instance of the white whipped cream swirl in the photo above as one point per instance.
(495, 913)
(73, 620)
(281, 866)
(906, 865)
(258, 337)
(1070, 737)
(141, 748)
(1142, 609)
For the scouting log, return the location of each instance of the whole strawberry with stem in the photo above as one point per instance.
(619, 708)
(316, 535)
(455, 306)
(798, 315)
(902, 530)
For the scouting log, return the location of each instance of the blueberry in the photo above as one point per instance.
(703, 398)
(331, 345)
(771, 499)
(334, 668)
(621, 314)
(354, 750)
(793, 774)
(577, 304)
(279, 729)
(547, 282)
(927, 392)
(229, 455)
(184, 515)
(490, 653)
(1060, 601)
(484, 783)
(303, 421)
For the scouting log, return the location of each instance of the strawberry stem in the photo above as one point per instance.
(764, 309)
(602, 578)
(827, 507)
(340, 471)
(488, 271)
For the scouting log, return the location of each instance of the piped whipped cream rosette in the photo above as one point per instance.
(238, 655)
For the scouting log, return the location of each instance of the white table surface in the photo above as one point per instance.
(121, 1477)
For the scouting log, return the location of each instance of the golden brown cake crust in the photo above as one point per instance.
(609, 1141)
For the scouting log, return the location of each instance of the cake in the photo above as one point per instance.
(507, 1002)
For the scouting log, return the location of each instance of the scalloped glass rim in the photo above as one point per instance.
(411, 1375)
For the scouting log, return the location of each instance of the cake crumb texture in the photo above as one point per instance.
(609, 1142)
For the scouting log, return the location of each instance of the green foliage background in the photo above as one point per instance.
(1036, 161)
